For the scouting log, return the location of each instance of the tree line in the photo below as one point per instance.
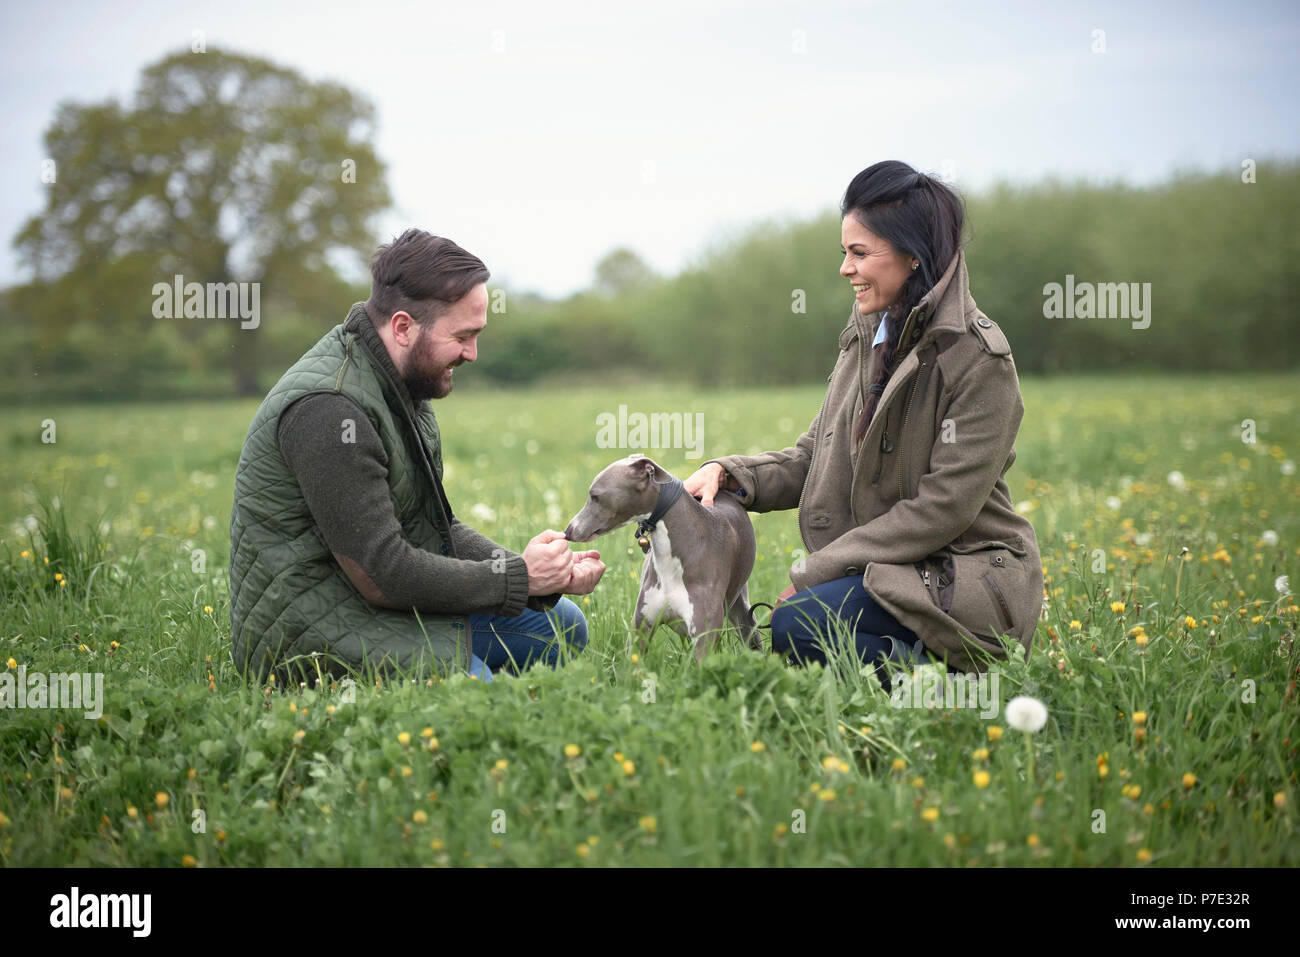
(228, 171)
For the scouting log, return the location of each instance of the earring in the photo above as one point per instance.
(914, 265)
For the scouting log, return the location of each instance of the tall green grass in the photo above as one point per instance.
(653, 760)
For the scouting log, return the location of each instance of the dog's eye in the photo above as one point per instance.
(595, 497)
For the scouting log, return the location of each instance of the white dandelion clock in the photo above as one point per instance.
(1269, 538)
(1026, 714)
(1282, 584)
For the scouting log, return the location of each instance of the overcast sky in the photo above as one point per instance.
(540, 135)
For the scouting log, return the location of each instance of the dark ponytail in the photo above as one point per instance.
(919, 217)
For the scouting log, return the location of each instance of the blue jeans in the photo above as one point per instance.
(802, 626)
(534, 636)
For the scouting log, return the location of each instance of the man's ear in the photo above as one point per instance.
(404, 328)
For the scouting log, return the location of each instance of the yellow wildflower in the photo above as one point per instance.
(572, 750)
(1117, 607)
(1189, 780)
(995, 733)
(930, 814)
(981, 779)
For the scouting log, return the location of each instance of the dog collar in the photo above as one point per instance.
(669, 492)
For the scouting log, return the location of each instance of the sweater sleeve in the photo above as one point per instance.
(345, 485)
(476, 546)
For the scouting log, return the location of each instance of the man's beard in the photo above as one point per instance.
(420, 383)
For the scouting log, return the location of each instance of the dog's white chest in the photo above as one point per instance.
(669, 592)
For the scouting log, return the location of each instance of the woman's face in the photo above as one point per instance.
(876, 271)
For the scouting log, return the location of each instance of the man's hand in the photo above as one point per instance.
(704, 484)
(550, 563)
(783, 596)
(587, 569)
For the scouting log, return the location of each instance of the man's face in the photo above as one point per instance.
(440, 347)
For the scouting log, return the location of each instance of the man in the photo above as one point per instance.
(344, 548)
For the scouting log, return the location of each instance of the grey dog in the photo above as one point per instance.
(698, 559)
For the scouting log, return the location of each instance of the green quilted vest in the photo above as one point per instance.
(288, 596)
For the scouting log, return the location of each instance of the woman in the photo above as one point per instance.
(913, 542)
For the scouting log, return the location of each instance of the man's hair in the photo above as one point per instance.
(421, 274)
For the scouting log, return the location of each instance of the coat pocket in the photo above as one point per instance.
(978, 588)
(937, 575)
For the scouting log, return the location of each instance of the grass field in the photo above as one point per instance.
(1169, 677)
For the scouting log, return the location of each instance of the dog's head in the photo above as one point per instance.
(624, 492)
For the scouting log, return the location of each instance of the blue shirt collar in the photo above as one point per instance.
(881, 331)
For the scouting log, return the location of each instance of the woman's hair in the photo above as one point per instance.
(919, 217)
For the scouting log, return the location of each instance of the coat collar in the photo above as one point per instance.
(360, 324)
(943, 309)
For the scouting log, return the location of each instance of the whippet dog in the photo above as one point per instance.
(698, 559)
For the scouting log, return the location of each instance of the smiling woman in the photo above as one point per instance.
(913, 543)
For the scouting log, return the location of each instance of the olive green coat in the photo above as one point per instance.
(921, 508)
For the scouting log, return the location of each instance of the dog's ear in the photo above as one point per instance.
(643, 470)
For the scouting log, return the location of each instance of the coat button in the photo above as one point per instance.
(852, 570)
(997, 559)
(983, 322)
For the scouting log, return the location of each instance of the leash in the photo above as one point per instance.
(669, 493)
(762, 604)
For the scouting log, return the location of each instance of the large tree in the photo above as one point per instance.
(226, 168)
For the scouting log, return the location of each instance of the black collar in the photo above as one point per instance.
(669, 492)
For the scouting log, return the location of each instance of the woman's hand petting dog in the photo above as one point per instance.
(704, 484)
